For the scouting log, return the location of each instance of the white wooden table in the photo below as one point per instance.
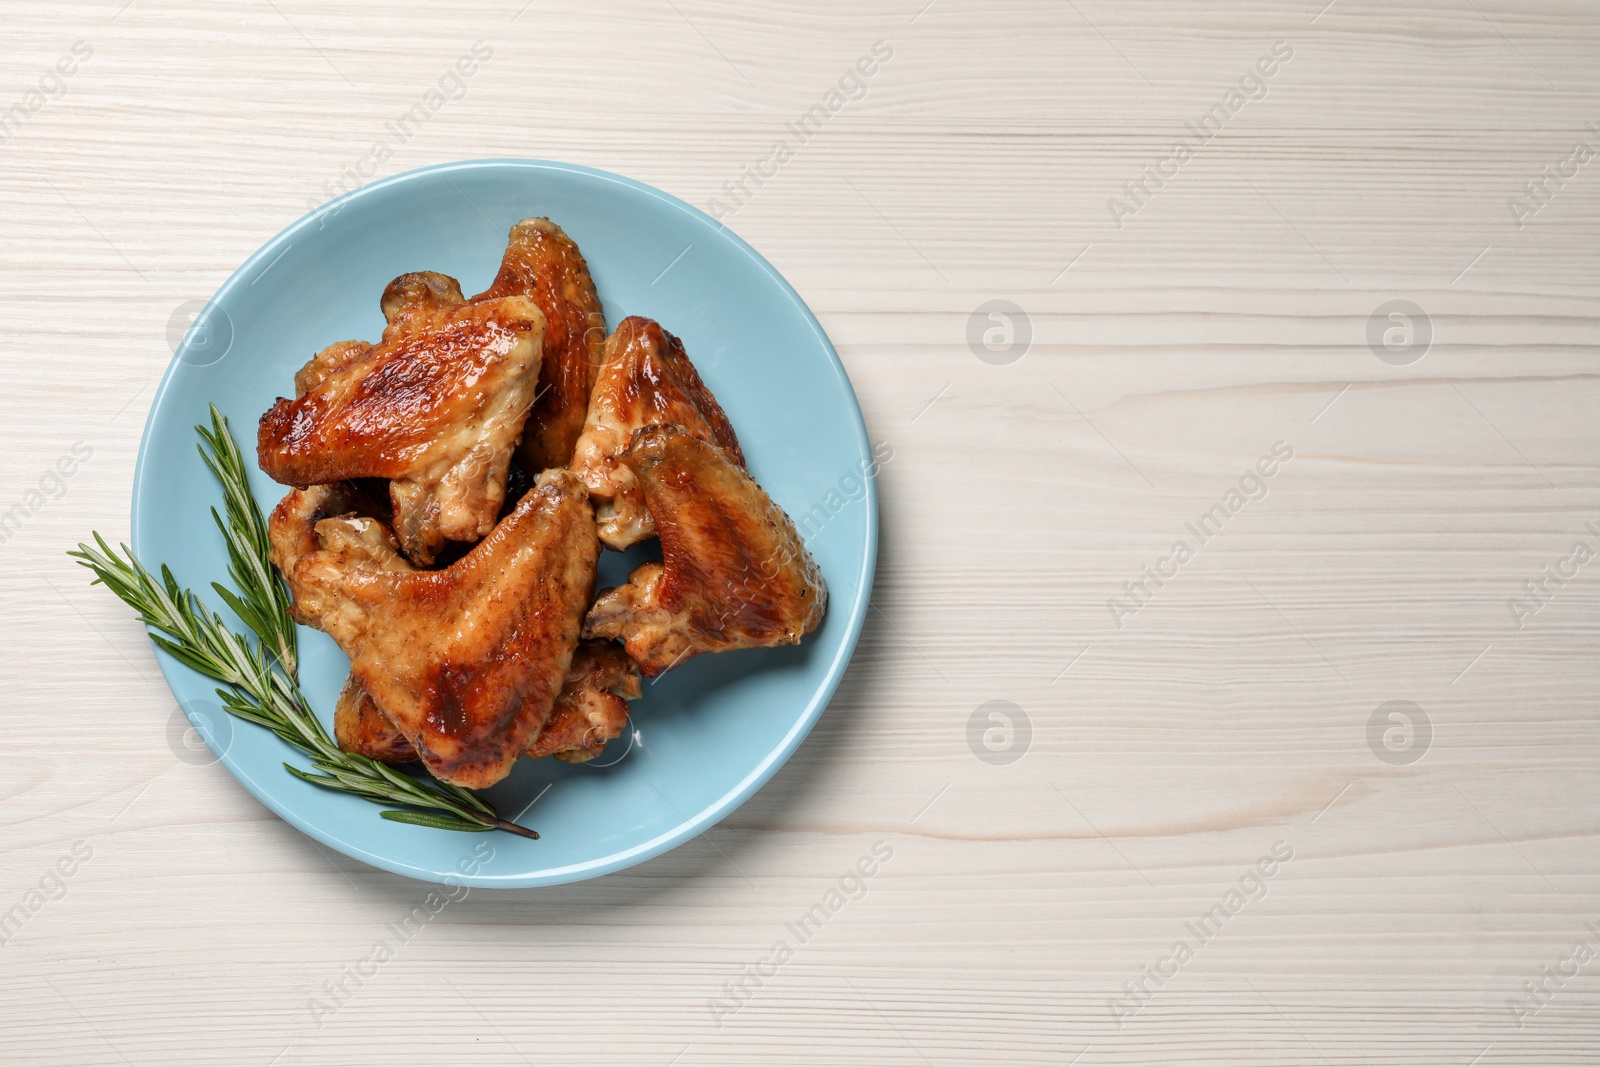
(1435, 876)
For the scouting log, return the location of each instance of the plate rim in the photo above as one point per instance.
(691, 826)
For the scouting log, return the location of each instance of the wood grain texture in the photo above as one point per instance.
(1167, 754)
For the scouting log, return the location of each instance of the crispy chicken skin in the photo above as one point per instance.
(360, 726)
(466, 661)
(734, 572)
(292, 525)
(542, 263)
(436, 407)
(646, 380)
(591, 710)
(593, 706)
(419, 292)
(330, 361)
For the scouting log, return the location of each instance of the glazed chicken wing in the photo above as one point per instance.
(542, 263)
(734, 572)
(591, 710)
(647, 380)
(466, 661)
(436, 407)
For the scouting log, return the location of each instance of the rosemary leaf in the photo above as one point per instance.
(438, 822)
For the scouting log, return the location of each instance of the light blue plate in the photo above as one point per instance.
(709, 733)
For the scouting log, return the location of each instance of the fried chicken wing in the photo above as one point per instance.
(646, 380)
(542, 263)
(436, 407)
(591, 710)
(467, 662)
(734, 572)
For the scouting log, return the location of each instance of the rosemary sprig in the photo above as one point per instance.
(260, 674)
(265, 604)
